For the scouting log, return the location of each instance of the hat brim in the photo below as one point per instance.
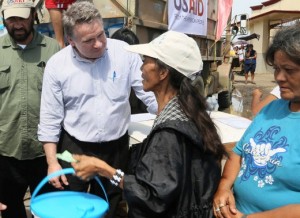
(16, 12)
(143, 49)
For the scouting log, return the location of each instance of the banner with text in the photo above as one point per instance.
(224, 11)
(188, 16)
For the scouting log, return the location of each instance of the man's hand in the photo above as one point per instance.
(59, 181)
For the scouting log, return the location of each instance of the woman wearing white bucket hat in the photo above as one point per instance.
(175, 171)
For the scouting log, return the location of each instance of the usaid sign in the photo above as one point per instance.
(188, 16)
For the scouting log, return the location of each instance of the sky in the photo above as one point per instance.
(243, 6)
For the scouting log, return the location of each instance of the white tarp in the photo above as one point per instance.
(188, 16)
(230, 127)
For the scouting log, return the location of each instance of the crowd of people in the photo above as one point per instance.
(94, 118)
(55, 97)
(162, 180)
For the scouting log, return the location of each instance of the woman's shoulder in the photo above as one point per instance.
(278, 104)
(275, 109)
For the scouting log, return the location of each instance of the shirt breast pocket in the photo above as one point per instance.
(40, 67)
(117, 88)
(4, 77)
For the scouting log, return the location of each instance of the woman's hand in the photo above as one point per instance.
(86, 167)
(224, 204)
(224, 201)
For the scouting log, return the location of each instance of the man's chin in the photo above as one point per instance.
(19, 38)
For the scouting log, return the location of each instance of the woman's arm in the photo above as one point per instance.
(224, 199)
(86, 167)
(155, 184)
(257, 104)
(158, 177)
(288, 211)
(255, 55)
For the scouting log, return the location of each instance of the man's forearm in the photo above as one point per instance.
(50, 149)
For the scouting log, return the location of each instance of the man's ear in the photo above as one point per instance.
(71, 41)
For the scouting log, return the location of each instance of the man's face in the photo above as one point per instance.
(20, 29)
(89, 39)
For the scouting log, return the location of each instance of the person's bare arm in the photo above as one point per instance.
(56, 19)
(255, 55)
(224, 196)
(224, 199)
(288, 211)
(257, 104)
(53, 165)
(86, 167)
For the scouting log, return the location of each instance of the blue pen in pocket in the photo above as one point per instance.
(114, 75)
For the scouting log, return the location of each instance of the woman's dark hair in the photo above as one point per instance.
(126, 35)
(286, 40)
(195, 107)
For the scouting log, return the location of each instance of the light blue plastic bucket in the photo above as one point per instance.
(67, 204)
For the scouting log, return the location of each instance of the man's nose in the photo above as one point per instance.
(98, 44)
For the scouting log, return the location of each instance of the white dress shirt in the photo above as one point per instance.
(90, 99)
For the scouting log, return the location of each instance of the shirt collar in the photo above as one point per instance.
(76, 55)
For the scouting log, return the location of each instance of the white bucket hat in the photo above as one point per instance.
(17, 8)
(175, 49)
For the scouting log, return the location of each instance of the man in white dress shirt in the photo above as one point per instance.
(85, 99)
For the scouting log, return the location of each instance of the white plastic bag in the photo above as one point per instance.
(237, 101)
(212, 102)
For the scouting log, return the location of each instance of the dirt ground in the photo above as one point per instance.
(265, 82)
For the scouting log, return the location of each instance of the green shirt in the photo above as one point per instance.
(21, 74)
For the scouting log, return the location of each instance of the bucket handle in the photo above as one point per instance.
(59, 173)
